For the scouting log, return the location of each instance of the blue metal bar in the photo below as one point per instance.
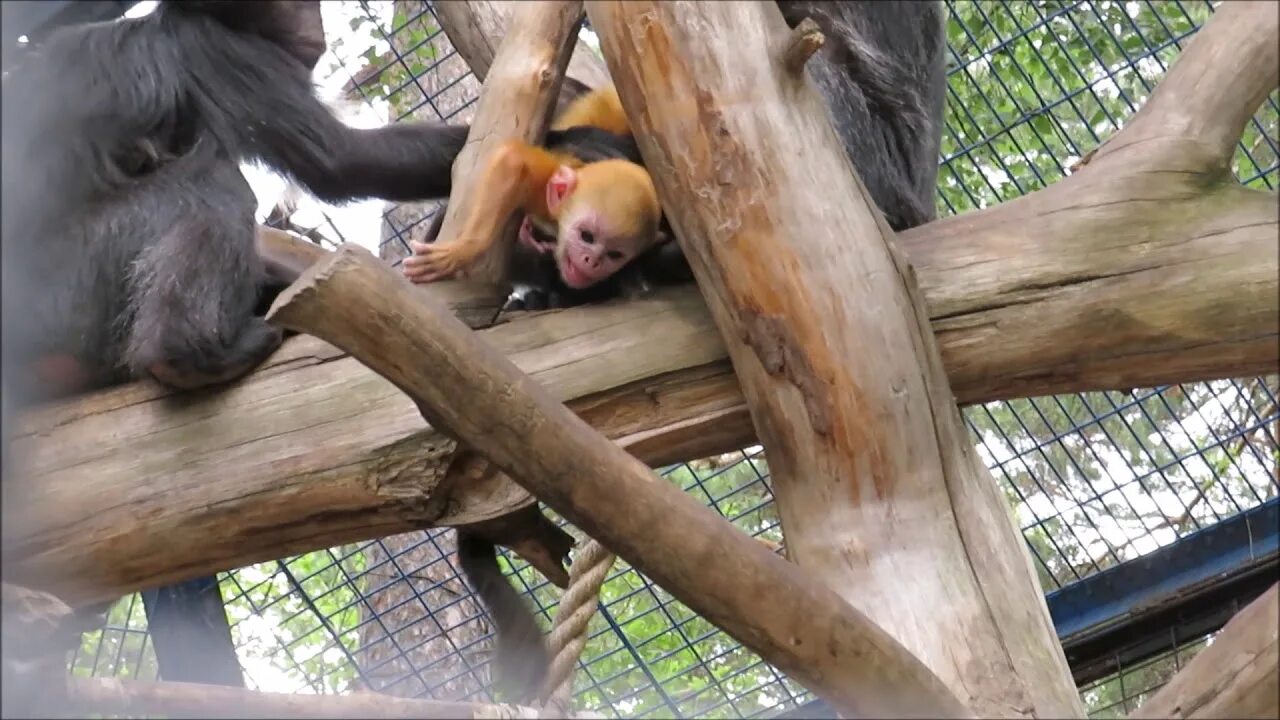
(1117, 595)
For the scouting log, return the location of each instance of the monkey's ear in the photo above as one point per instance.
(561, 185)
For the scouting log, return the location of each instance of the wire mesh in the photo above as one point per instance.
(1095, 478)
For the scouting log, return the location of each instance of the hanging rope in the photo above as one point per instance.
(569, 630)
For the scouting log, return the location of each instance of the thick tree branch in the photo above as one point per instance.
(1195, 117)
(221, 480)
(515, 102)
(1235, 677)
(876, 481)
(476, 29)
(1106, 280)
(470, 389)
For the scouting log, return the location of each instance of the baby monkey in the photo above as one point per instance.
(602, 214)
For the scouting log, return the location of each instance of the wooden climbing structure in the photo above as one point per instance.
(906, 590)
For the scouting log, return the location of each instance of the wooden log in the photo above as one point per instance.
(322, 452)
(464, 385)
(230, 478)
(476, 28)
(878, 487)
(113, 696)
(1238, 676)
(515, 102)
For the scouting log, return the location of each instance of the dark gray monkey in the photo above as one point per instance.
(882, 72)
(128, 231)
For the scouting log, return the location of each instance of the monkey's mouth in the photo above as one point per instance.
(573, 275)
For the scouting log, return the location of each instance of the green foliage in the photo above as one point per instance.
(395, 57)
(1038, 84)
(1119, 694)
(120, 650)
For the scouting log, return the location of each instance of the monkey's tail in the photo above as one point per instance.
(520, 657)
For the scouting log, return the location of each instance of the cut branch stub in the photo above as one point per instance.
(478, 395)
(805, 40)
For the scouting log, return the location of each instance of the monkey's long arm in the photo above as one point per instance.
(515, 178)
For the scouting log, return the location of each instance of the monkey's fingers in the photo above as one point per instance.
(434, 262)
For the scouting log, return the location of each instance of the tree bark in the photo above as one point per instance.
(878, 487)
(516, 101)
(444, 92)
(476, 29)
(1154, 215)
(464, 385)
(1235, 677)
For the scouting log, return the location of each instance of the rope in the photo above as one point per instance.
(569, 631)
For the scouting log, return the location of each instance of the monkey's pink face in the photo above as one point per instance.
(588, 253)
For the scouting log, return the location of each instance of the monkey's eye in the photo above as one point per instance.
(614, 255)
(588, 237)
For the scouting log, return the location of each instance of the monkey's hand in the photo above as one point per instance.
(437, 261)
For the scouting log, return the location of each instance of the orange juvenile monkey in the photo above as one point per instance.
(605, 213)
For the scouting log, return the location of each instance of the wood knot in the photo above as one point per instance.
(804, 40)
(781, 355)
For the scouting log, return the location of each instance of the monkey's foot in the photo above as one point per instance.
(435, 261)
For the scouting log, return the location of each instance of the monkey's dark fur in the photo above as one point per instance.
(520, 657)
(128, 229)
(882, 72)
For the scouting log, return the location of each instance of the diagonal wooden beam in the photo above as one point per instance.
(461, 383)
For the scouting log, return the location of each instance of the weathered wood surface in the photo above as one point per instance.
(476, 29)
(471, 389)
(516, 102)
(879, 490)
(36, 635)
(1238, 676)
(136, 487)
(1154, 216)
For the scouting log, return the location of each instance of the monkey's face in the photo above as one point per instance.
(610, 217)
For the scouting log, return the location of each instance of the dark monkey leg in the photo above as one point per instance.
(194, 290)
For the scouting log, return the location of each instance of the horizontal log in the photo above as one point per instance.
(313, 450)
(138, 487)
